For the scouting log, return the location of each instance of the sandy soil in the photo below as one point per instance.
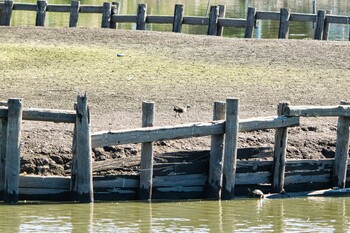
(303, 72)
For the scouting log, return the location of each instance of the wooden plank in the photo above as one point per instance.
(284, 24)
(146, 166)
(141, 17)
(253, 178)
(317, 111)
(124, 18)
(163, 19)
(232, 23)
(222, 14)
(58, 8)
(213, 21)
(301, 17)
(341, 151)
(83, 146)
(250, 22)
(216, 155)
(5, 19)
(25, 6)
(106, 15)
(41, 13)
(183, 168)
(254, 166)
(3, 139)
(114, 11)
(230, 150)
(195, 20)
(326, 26)
(121, 181)
(74, 14)
(309, 165)
(91, 9)
(267, 123)
(301, 178)
(42, 191)
(178, 18)
(267, 15)
(12, 160)
(337, 19)
(180, 180)
(280, 150)
(44, 182)
(321, 16)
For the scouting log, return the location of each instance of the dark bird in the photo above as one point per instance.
(180, 110)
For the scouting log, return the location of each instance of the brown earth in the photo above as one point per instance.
(303, 72)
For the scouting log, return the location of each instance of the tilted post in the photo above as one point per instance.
(74, 13)
(213, 21)
(83, 147)
(106, 15)
(114, 11)
(230, 151)
(222, 14)
(13, 151)
(250, 22)
(5, 17)
(146, 168)
(216, 155)
(141, 17)
(341, 151)
(41, 13)
(178, 18)
(320, 21)
(280, 150)
(284, 24)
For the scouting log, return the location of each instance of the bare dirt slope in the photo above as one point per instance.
(169, 69)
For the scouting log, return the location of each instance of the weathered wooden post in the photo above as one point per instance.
(326, 26)
(83, 147)
(146, 168)
(178, 18)
(280, 149)
(41, 13)
(216, 155)
(5, 19)
(213, 21)
(106, 15)
(12, 160)
(250, 22)
(222, 14)
(320, 21)
(230, 151)
(74, 166)
(114, 11)
(3, 139)
(284, 24)
(141, 17)
(74, 13)
(341, 151)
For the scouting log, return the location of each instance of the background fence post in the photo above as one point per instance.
(320, 20)
(106, 15)
(83, 146)
(74, 13)
(141, 17)
(222, 14)
(250, 22)
(230, 151)
(5, 17)
(114, 11)
(281, 137)
(326, 26)
(341, 151)
(3, 131)
(178, 18)
(216, 155)
(146, 168)
(41, 13)
(213, 21)
(284, 24)
(12, 160)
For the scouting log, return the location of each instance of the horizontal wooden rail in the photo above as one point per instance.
(316, 111)
(101, 139)
(55, 8)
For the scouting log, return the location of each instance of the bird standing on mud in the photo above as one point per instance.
(180, 110)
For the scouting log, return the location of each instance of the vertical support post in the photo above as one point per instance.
(12, 160)
(114, 11)
(213, 21)
(83, 146)
(216, 155)
(146, 168)
(40, 13)
(341, 151)
(141, 17)
(178, 18)
(230, 151)
(5, 19)
(74, 13)
(280, 149)
(284, 24)
(106, 15)
(320, 20)
(222, 14)
(74, 166)
(250, 22)
(3, 139)
(326, 26)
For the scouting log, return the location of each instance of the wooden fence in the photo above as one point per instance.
(215, 22)
(222, 176)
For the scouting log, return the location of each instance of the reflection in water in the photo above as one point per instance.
(244, 215)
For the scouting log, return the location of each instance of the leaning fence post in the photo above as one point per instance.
(216, 155)
(320, 20)
(141, 17)
(41, 13)
(5, 19)
(280, 149)
(178, 18)
(3, 139)
(222, 13)
(230, 151)
(284, 24)
(114, 11)
(83, 147)
(250, 22)
(12, 160)
(146, 168)
(213, 21)
(106, 15)
(74, 13)
(341, 151)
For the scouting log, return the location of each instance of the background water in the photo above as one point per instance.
(244, 215)
(235, 9)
